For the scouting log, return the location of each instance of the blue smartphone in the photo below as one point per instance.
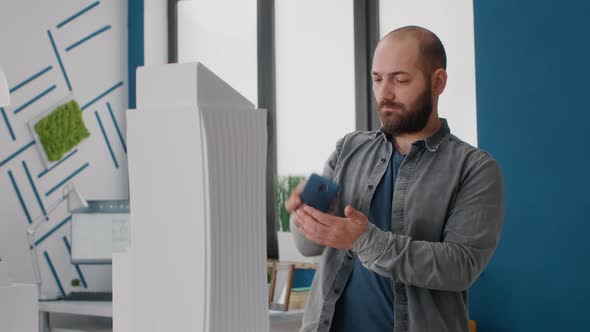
(319, 192)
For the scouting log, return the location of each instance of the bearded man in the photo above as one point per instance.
(419, 214)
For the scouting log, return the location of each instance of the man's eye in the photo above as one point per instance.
(376, 80)
(402, 81)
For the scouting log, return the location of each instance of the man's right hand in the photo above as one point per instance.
(294, 202)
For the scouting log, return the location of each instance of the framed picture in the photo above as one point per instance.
(280, 286)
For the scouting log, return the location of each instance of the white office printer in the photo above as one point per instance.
(197, 169)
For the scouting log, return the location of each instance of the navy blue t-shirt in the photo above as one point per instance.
(366, 303)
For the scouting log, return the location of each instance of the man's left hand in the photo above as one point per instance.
(328, 230)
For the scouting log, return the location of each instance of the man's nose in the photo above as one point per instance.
(386, 91)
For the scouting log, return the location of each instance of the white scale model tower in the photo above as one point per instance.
(197, 169)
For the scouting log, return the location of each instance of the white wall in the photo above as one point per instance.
(93, 68)
(314, 42)
(222, 35)
(452, 21)
(155, 32)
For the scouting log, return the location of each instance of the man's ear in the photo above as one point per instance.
(439, 81)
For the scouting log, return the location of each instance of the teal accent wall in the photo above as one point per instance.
(533, 116)
(135, 12)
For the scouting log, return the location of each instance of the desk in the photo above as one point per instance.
(280, 321)
(84, 308)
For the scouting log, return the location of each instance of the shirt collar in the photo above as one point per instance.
(432, 143)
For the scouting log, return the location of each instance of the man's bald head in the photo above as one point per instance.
(432, 51)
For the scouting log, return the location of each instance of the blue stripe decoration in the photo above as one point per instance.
(61, 65)
(20, 197)
(85, 39)
(34, 188)
(106, 139)
(117, 127)
(54, 166)
(19, 151)
(73, 17)
(66, 179)
(53, 230)
(7, 124)
(52, 268)
(28, 103)
(101, 95)
(28, 80)
(75, 265)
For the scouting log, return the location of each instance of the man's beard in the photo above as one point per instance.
(409, 121)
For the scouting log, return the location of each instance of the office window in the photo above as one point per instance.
(223, 36)
(315, 96)
(315, 87)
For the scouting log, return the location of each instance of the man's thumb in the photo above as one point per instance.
(353, 214)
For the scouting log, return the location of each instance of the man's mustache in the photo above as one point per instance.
(391, 104)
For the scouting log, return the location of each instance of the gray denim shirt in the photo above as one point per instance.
(446, 219)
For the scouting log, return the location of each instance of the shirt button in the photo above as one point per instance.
(370, 187)
(383, 160)
(336, 291)
(326, 322)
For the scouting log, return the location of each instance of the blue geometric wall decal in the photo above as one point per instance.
(34, 188)
(52, 268)
(7, 124)
(102, 95)
(61, 65)
(75, 265)
(69, 19)
(19, 151)
(52, 230)
(85, 39)
(117, 127)
(30, 79)
(61, 183)
(20, 197)
(106, 139)
(58, 163)
(27, 76)
(39, 96)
